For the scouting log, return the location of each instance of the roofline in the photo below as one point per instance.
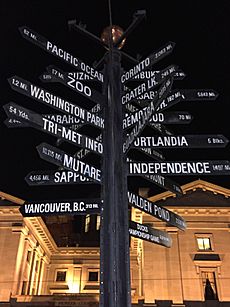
(13, 199)
(197, 184)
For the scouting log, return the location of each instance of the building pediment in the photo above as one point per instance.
(195, 194)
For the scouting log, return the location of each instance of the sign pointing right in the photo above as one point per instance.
(181, 141)
(157, 211)
(149, 234)
(178, 168)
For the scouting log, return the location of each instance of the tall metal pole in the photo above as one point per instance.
(114, 239)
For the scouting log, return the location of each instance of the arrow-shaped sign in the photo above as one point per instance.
(55, 177)
(180, 168)
(150, 84)
(148, 74)
(152, 153)
(60, 158)
(52, 48)
(69, 81)
(149, 234)
(78, 76)
(148, 62)
(199, 94)
(11, 122)
(43, 124)
(60, 207)
(65, 120)
(177, 117)
(162, 181)
(181, 141)
(157, 211)
(26, 88)
(162, 92)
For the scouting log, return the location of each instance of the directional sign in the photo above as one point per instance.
(187, 95)
(43, 124)
(82, 153)
(60, 158)
(173, 98)
(11, 122)
(50, 47)
(157, 211)
(181, 141)
(57, 207)
(178, 168)
(55, 177)
(150, 84)
(199, 94)
(148, 62)
(95, 109)
(162, 92)
(47, 78)
(25, 87)
(148, 74)
(162, 182)
(69, 81)
(161, 129)
(65, 120)
(165, 183)
(152, 153)
(177, 117)
(78, 76)
(149, 234)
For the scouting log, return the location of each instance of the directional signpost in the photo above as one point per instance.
(119, 114)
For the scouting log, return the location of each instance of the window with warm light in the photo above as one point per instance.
(98, 222)
(87, 222)
(204, 242)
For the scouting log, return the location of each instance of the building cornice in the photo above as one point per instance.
(13, 199)
(192, 186)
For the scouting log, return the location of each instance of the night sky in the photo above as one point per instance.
(201, 32)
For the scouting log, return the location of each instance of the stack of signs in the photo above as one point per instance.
(144, 104)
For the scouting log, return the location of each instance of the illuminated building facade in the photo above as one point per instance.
(48, 262)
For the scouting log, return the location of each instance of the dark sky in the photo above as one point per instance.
(200, 30)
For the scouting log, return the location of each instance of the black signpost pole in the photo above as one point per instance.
(114, 240)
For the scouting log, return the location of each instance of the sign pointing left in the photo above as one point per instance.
(57, 207)
(44, 124)
(60, 158)
(50, 47)
(25, 87)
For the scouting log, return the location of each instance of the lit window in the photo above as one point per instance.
(204, 244)
(98, 223)
(87, 222)
(61, 276)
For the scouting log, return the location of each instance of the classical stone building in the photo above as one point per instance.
(53, 262)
